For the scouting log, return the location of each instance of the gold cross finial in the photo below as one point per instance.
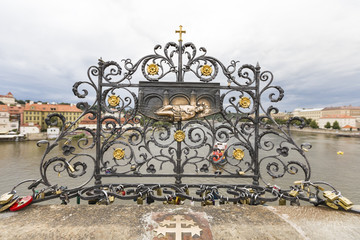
(180, 32)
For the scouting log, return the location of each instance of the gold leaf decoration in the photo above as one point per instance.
(113, 100)
(179, 136)
(244, 102)
(153, 69)
(119, 154)
(206, 70)
(238, 154)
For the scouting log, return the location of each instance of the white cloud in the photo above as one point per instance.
(310, 46)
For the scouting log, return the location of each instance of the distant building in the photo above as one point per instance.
(7, 99)
(29, 128)
(86, 122)
(343, 121)
(345, 115)
(313, 113)
(36, 113)
(53, 132)
(344, 111)
(4, 119)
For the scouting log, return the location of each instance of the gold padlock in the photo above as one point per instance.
(330, 195)
(159, 191)
(293, 193)
(282, 202)
(344, 201)
(140, 200)
(344, 206)
(111, 199)
(58, 191)
(331, 204)
(6, 197)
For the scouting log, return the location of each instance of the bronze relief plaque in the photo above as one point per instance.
(169, 101)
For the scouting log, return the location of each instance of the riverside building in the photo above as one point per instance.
(36, 113)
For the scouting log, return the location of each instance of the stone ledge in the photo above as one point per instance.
(135, 222)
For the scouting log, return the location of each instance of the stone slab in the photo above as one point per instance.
(217, 222)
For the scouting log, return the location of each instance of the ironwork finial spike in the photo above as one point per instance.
(257, 65)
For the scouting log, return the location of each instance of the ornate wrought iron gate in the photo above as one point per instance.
(174, 125)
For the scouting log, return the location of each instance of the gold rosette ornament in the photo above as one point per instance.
(113, 100)
(119, 154)
(179, 136)
(206, 70)
(245, 102)
(238, 154)
(153, 69)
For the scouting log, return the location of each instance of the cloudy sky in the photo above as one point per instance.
(311, 47)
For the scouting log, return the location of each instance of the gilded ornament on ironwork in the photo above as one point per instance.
(113, 100)
(238, 154)
(206, 70)
(245, 102)
(153, 69)
(179, 136)
(119, 154)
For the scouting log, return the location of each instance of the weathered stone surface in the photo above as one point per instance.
(136, 222)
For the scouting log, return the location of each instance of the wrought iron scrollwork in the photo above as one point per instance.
(128, 142)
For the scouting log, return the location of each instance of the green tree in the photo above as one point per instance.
(1, 103)
(327, 125)
(20, 101)
(336, 125)
(313, 124)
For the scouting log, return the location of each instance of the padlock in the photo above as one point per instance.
(71, 168)
(140, 200)
(343, 205)
(331, 204)
(313, 200)
(58, 174)
(344, 201)
(282, 202)
(111, 199)
(6, 197)
(149, 200)
(159, 191)
(294, 193)
(330, 195)
(41, 195)
(123, 193)
(298, 182)
(192, 203)
(58, 191)
(187, 191)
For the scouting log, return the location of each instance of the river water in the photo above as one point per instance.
(21, 160)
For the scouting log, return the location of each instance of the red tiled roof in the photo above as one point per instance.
(348, 126)
(51, 107)
(342, 108)
(9, 95)
(3, 108)
(338, 116)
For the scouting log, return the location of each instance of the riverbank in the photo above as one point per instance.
(328, 131)
(147, 222)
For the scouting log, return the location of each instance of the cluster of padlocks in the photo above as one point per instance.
(170, 194)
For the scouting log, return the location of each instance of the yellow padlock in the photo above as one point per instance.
(330, 195)
(344, 201)
(293, 193)
(331, 204)
(282, 202)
